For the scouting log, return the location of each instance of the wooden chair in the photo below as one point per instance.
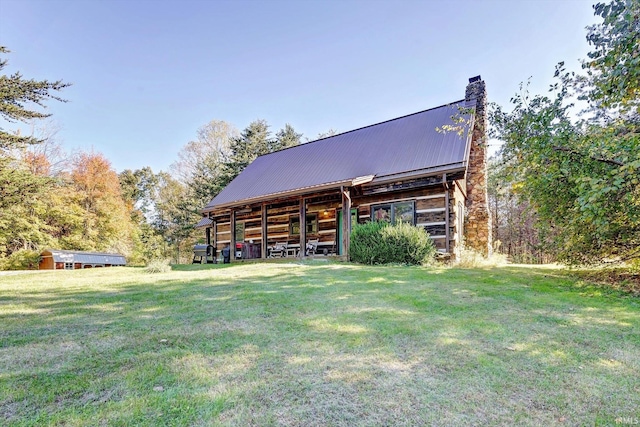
(312, 247)
(278, 250)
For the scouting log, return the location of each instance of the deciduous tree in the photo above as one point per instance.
(613, 66)
(107, 221)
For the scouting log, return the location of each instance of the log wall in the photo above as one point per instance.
(430, 212)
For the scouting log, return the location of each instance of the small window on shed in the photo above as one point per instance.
(68, 266)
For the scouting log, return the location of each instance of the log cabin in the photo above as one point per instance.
(427, 168)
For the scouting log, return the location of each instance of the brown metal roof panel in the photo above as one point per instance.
(396, 146)
(204, 222)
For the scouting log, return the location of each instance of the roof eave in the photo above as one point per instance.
(288, 193)
(420, 173)
(364, 180)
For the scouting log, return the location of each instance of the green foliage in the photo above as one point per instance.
(137, 188)
(582, 177)
(201, 163)
(286, 138)
(515, 227)
(16, 93)
(613, 67)
(254, 141)
(18, 184)
(382, 243)
(175, 214)
(23, 259)
(365, 246)
(82, 210)
(23, 208)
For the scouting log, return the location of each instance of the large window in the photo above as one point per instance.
(394, 212)
(311, 222)
(240, 232)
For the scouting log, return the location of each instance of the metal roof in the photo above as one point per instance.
(85, 257)
(407, 146)
(204, 222)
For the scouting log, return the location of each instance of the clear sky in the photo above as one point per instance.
(147, 73)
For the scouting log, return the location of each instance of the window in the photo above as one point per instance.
(394, 212)
(460, 221)
(240, 232)
(403, 212)
(311, 222)
(68, 266)
(381, 213)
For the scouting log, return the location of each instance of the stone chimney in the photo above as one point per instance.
(478, 220)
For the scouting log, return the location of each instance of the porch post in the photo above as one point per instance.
(346, 221)
(208, 234)
(264, 230)
(303, 227)
(232, 245)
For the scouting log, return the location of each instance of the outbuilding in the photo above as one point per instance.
(54, 259)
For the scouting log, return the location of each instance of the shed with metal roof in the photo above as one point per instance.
(56, 259)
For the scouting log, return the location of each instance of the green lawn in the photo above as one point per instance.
(316, 344)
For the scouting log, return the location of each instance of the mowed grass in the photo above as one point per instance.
(316, 344)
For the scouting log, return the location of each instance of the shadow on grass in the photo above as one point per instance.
(326, 343)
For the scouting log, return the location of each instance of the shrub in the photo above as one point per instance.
(382, 243)
(23, 259)
(365, 246)
(158, 266)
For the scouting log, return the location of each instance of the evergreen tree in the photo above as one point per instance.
(255, 140)
(287, 137)
(16, 94)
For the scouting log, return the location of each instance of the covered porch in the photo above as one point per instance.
(283, 227)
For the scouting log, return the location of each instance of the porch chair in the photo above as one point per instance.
(278, 250)
(312, 247)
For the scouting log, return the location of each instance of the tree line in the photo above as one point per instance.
(53, 199)
(566, 183)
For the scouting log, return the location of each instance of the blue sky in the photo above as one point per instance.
(147, 73)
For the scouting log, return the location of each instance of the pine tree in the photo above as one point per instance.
(287, 137)
(16, 94)
(255, 140)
